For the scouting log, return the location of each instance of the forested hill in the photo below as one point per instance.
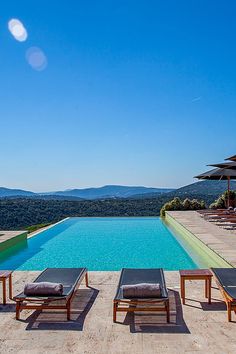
(18, 213)
(205, 188)
(23, 212)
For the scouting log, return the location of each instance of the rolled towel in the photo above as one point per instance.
(141, 290)
(43, 288)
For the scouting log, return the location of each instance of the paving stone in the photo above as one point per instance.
(195, 327)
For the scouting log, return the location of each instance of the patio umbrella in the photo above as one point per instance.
(219, 174)
(232, 158)
(231, 165)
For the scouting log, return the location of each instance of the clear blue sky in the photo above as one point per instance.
(134, 93)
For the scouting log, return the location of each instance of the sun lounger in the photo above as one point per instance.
(226, 280)
(218, 213)
(70, 278)
(220, 216)
(208, 212)
(225, 222)
(139, 276)
(229, 227)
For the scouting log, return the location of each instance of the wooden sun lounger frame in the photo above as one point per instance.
(132, 306)
(220, 217)
(230, 301)
(142, 305)
(217, 214)
(210, 212)
(42, 304)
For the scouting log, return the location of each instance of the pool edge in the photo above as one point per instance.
(35, 233)
(213, 258)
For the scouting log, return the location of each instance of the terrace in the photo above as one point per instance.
(194, 327)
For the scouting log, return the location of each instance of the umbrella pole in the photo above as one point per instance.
(228, 189)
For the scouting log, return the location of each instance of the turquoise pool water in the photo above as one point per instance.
(100, 244)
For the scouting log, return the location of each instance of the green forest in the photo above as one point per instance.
(21, 213)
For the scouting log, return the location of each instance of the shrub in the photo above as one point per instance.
(187, 204)
(176, 204)
(222, 201)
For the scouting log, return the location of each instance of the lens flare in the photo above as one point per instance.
(17, 30)
(36, 58)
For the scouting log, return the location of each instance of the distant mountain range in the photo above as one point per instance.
(194, 190)
(211, 188)
(198, 189)
(7, 192)
(105, 192)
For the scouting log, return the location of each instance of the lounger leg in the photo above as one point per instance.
(206, 288)
(182, 288)
(18, 308)
(4, 290)
(86, 279)
(229, 311)
(68, 306)
(10, 287)
(167, 306)
(209, 291)
(114, 310)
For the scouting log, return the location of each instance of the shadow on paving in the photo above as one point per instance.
(56, 319)
(216, 305)
(7, 308)
(156, 323)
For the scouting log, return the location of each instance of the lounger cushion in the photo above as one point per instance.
(43, 288)
(131, 276)
(141, 291)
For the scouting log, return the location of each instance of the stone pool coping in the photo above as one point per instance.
(34, 233)
(220, 241)
(11, 238)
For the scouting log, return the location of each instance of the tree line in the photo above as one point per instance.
(21, 213)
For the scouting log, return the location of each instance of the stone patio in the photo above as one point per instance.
(220, 240)
(195, 327)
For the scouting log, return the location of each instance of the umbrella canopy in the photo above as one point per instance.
(232, 158)
(219, 174)
(230, 165)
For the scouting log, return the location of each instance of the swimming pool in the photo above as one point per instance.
(101, 244)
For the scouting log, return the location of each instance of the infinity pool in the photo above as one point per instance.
(100, 244)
